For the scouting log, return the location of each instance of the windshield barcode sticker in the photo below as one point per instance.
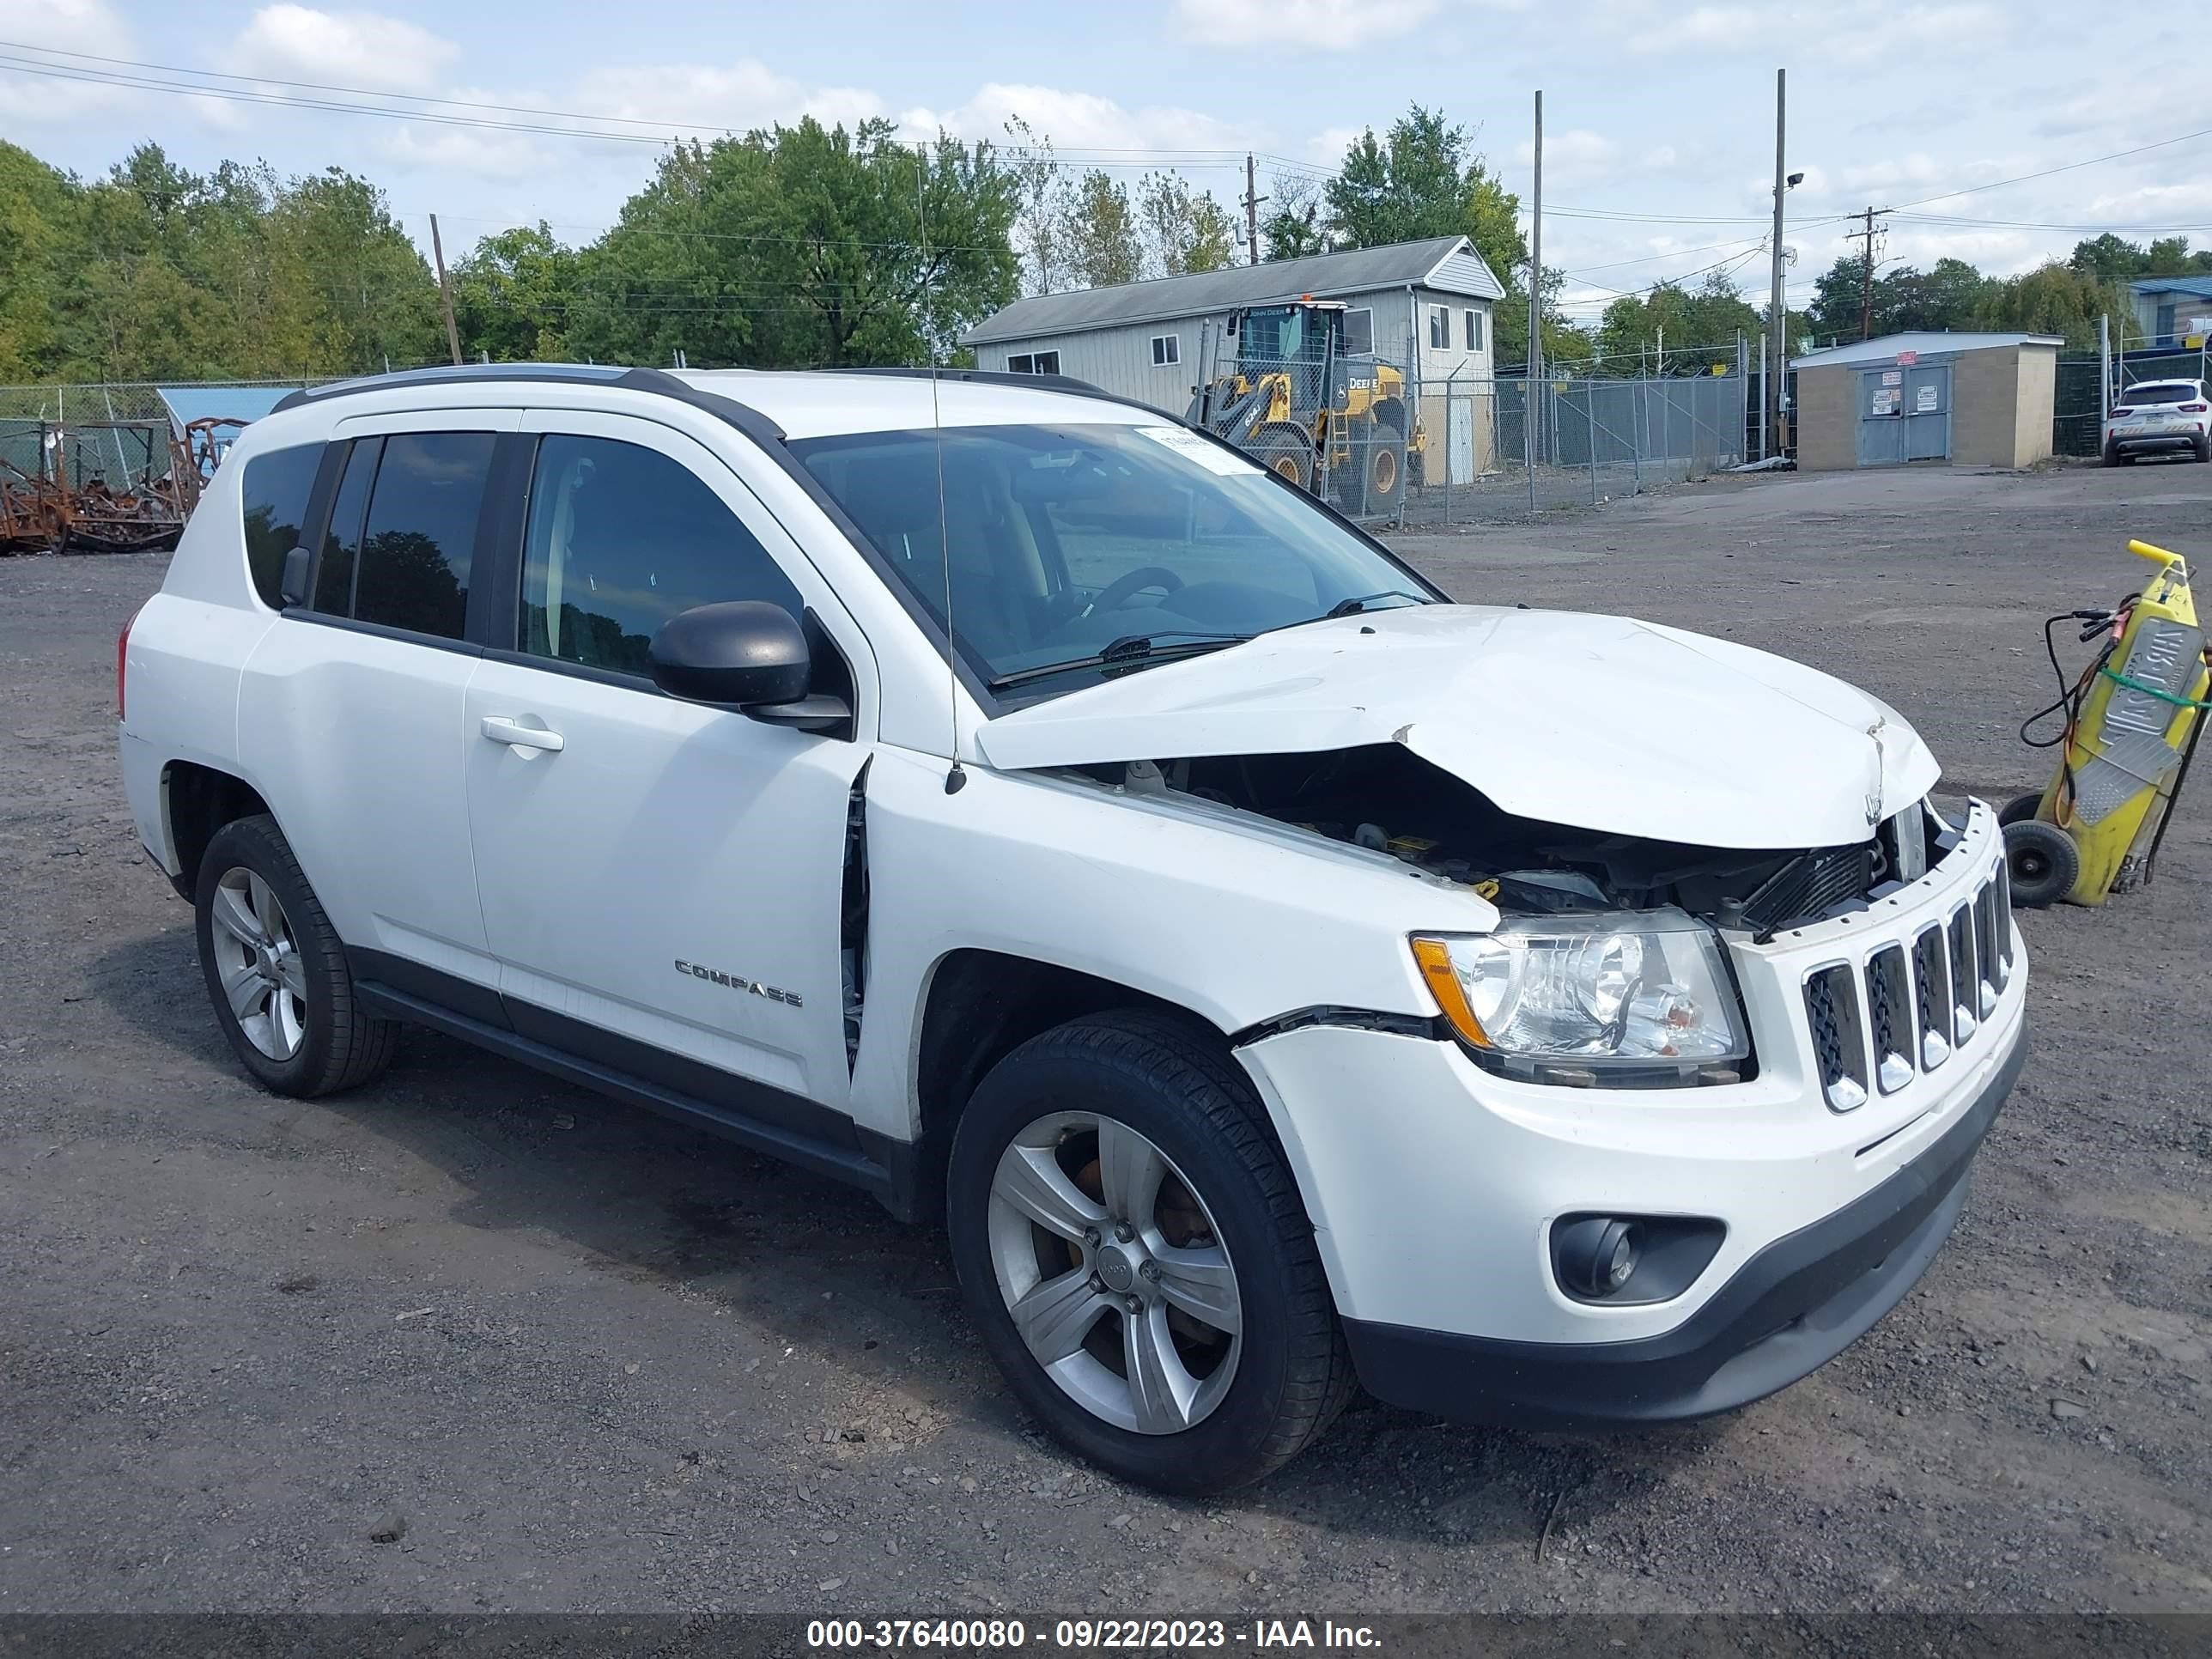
(1214, 457)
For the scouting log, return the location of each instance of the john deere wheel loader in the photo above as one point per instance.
(1330, 420)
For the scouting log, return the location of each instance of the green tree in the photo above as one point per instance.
(1104, 246)
(512, 294)
(1295, 228)
(1040, 226)
(1422, 178)
(40, 208)
(2057, 299)
(1709, 316)
(803, 246)
(1185, 231)
(1947, 297)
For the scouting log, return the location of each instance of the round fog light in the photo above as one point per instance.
(1595, 1256)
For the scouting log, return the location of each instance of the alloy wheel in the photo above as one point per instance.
(1115, 1274)
(258, 963)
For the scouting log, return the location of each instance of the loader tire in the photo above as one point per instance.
(2020, 809)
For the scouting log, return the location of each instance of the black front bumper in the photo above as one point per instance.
(1787, 1311)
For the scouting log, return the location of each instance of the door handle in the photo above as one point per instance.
(501, 729)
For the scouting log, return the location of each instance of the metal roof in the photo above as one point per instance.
(2200, 286)
(187, 404)
(1928, 343)
(1357, 271)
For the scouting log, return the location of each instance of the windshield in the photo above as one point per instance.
(1081, 551)
(2137, 396)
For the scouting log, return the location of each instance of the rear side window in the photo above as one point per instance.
(621, 539)
(275, 490)
(421, 531)
(340, 552)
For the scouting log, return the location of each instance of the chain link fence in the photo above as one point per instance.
(2077, 416)
(1384, 445)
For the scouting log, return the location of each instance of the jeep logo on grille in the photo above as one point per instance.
(739, 983)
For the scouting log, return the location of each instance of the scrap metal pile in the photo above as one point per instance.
(103, 486)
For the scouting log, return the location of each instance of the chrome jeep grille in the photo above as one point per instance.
(1905, 1006)
(1889, 1003)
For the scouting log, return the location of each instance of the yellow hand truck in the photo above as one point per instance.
(2132, 721)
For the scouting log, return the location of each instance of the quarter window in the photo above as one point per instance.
(421, 531)
(621, 539)
(1359, 331)
(275, 490)
(1167, 349)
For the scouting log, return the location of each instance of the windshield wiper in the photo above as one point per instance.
(1354, 607)
(1130, 648)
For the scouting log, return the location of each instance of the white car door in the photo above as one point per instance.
(350, 715)
(661, 881)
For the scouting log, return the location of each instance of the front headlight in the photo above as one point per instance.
(1623, 999)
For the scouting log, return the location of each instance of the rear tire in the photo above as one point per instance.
(2043, 862)
(275, 971)
(2203, 448)
(2111, 454)
(1140, 1086)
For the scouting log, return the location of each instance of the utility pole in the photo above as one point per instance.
(1777, 317)
(1866, 275)
(1252, 200)
(1536, 292)
(445, 291)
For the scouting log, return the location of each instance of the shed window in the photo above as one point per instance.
(1473, 319)
(1440, 327)
(1167, 349)
(1359, 331)
(1035, 363)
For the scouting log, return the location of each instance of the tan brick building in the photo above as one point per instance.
(1975, 399)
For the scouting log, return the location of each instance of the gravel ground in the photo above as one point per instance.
(468, 1340)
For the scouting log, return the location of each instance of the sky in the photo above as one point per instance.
(1659, 116)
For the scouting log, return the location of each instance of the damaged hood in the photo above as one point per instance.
(1599, 722)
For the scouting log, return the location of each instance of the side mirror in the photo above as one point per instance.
(292, 585)
(745, 654)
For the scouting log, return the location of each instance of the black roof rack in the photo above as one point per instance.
(743, 416)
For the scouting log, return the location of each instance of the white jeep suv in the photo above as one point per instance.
(1017, 803)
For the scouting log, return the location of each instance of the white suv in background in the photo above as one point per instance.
(2159, 418)
(1269, 971)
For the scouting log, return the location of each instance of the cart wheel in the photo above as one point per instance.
(2043, 861)
(2020, 809)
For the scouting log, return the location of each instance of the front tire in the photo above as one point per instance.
(1133, 1247)
(275, 971)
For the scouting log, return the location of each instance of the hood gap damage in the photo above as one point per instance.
(1387, 799)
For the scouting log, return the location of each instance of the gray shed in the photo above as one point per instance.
(1423, 305)
(1984, 398)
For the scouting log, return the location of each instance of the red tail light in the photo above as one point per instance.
(122, 659)
(2195, 409)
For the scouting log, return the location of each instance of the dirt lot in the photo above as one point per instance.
(578, 1359)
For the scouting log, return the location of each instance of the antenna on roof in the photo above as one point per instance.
(956, 779)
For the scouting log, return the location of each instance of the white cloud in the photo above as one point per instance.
(1578, 156)
(1081, 121)
(1877, 30)
(351, 48)
(460, 150)
(1254, 26)
(739, 95)
(62, 25)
